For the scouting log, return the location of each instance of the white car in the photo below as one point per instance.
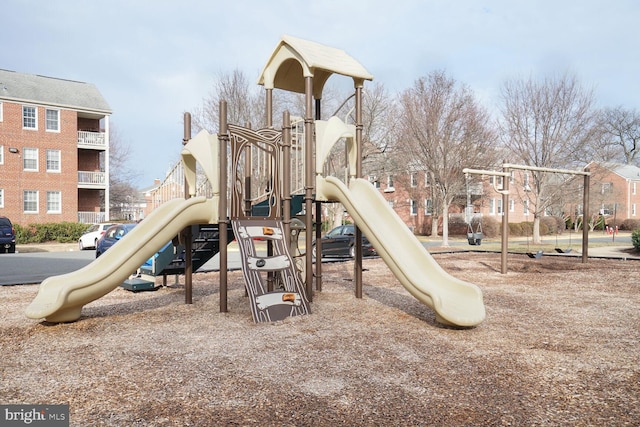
(89, 239)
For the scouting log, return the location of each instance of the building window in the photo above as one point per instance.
(1, 155)
(495, 206)
(512, 205)
(30, 201)
(29, 117)
(390, 203)
(633, 187)
(30, 159)
(389, 184)
(525, 205)
(633, 209)
(414, 180)
(374, 181)
(53, 120)
(414, 207)
(54, 202)
(1, 111)
(1, 198)
(53, 160)
(606, 188)
(428, 207)
(426, 179)
(525, 182)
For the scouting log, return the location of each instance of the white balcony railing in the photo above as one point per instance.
(91, 217)
(92, 179)
(91, 140)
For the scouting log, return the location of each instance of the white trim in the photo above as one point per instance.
(35, 108)
(46, 120)
(59, 201)
(48, 150)
(37, 201)
(24, 157)
(413, 207)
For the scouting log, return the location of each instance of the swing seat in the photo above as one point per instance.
(478, 238)
(474, 239)
(563, 251)
(537, 255)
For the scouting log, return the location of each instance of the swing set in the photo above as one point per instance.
(506, 167)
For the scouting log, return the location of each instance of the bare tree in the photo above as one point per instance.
(244, 103)
(122, 194)
(379, 119)
(444, 130)
(620, 134)
(546, 124)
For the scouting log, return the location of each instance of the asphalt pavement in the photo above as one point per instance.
(33, 263)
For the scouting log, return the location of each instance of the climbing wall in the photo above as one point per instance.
(288, 296)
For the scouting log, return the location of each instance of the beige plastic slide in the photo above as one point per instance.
(61, 298)
(454, 301)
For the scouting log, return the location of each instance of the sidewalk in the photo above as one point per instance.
(47, 247)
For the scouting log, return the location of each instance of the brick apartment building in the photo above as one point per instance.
(54, 150)
(615, 191)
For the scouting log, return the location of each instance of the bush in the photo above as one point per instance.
(635, 239)
(515, 229)
(491, 227)
(630, 224)
(61, 232)
(551, 225)
(457, 226)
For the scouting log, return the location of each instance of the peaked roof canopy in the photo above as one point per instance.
(295, 59)
(51, 91)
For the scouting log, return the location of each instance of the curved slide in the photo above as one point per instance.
(454, 301)
(61, 298)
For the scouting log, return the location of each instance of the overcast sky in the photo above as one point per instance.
(153, 59)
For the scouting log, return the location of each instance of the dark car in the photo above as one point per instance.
(7, 236)
(111, 237)
(339, 242)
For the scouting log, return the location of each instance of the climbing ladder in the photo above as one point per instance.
(273, 284)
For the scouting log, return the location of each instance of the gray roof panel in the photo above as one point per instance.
(51, 91)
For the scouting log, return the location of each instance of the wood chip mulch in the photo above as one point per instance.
(560, 346)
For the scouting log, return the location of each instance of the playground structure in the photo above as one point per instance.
(249, 195)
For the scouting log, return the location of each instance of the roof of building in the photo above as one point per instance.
(624, 170)
(32, 88)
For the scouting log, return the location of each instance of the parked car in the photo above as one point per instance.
(339, 242)
(7, 236)
(90, 238)
(111, 237)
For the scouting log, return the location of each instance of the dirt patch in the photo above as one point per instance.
(560, 346)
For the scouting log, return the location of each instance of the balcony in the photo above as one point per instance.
(92, 180)
(91, 217)
(91, 140)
